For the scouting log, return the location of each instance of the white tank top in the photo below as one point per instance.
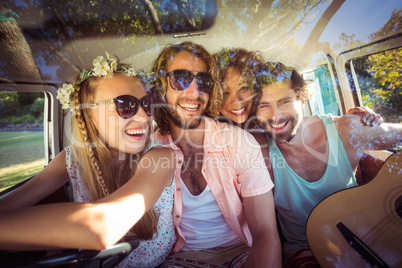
(202, 222)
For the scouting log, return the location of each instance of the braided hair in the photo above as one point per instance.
(94, 157)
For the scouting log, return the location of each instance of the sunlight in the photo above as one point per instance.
(17, 168)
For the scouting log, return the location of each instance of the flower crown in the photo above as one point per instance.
(101, 67)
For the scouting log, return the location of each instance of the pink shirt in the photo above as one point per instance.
(233, 167)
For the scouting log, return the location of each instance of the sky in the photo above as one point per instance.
(355, 17)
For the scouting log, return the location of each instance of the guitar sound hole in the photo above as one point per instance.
(398, 206)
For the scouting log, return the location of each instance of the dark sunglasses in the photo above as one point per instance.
(127, 105)
(182, 79)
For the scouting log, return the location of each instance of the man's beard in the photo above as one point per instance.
(293, 123)
(179, 121)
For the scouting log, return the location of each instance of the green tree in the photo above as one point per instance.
(9, 104)
(391, 27)
(38, 107)
(386, 69)
(379, 75)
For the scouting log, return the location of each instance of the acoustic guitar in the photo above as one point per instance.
(361, 226)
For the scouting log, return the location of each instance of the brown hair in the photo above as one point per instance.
(94, 157)
(276, 72)
(247, 62)
(160, 86)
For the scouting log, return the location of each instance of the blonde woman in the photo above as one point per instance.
(121, 183)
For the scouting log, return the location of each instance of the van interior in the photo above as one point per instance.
(350, 51)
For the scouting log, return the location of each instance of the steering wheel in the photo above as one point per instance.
(106, 258)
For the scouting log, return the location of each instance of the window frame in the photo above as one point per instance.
(347, 88)
(325, 60)
(52, 118)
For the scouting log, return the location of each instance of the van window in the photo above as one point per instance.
(21, 136)
(324, 99)
(378, 83)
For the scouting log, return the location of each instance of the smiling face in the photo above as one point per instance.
(280, 111)
(186, 106)
(124, 135)
(237, 96)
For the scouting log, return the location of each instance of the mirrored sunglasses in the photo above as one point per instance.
(127, 105)
(182, 79)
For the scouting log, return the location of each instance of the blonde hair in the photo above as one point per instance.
(160, 87)
(95, 157)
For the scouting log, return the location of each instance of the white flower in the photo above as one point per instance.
(101, 66)
(112, 61)
(98, 59)
(69, 88)
(65, 103)
(129, 71)
(109, 73)
(113, 65)
(62, 94)
(101, 69)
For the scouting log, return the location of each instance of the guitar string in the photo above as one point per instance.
(391, 218)
(382, 226)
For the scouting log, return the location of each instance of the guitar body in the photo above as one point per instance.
(369, 211)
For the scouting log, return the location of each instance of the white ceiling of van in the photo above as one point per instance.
(294, 35)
